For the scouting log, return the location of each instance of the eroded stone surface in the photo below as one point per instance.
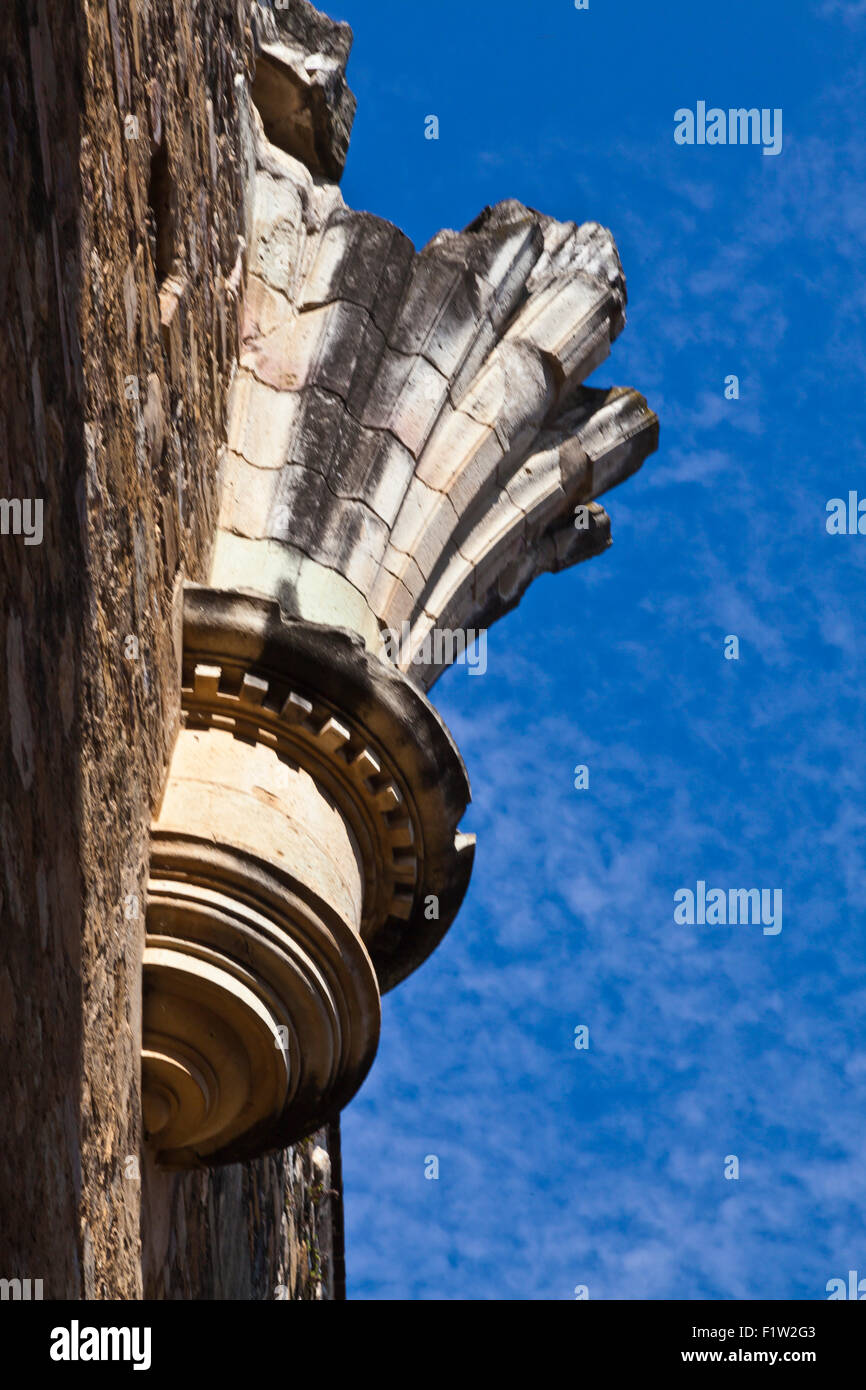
(415, 425)
(300, 85)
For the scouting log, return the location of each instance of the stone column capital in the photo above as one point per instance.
(306, 858)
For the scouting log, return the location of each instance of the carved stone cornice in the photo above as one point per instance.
(382, 752)
(306, 857)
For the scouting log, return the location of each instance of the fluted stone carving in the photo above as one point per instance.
(409, 435)
(409, 444)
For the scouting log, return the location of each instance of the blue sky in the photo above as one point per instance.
(605, 1167)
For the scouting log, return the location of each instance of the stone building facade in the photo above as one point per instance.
(283, 464)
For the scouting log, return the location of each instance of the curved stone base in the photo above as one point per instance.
(261, 1007)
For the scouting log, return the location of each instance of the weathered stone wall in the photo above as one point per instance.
(124, 212)
(41, 429)
(264, 1230)
(162, 217)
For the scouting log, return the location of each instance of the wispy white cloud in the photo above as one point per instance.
(606, 1167)
(851, 11)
